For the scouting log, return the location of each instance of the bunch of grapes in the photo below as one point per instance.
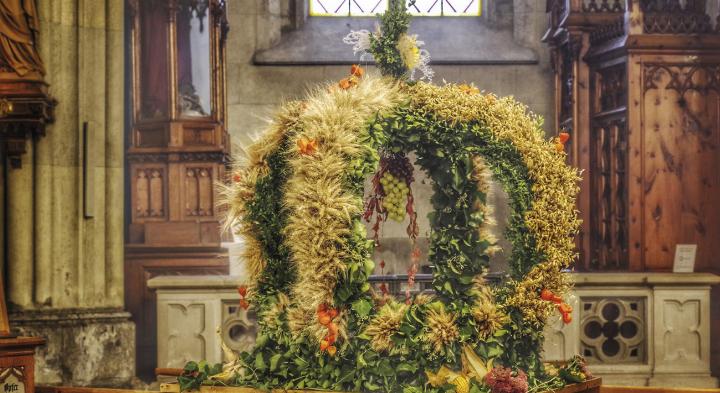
(395, 191)
(391, 195)
(396, 179)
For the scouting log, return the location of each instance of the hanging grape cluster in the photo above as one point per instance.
(395, 184)
(392, 196)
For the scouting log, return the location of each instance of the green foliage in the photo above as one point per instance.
(194, 374)
(393, 24)
(266, 213)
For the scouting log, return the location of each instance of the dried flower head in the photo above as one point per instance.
(440, 329)
(384, 325)
(504, 380)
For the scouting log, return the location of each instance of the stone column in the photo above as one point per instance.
(65, 212)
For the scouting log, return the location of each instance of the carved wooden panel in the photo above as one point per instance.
(149, 192)
(680, 177)
(198, 195)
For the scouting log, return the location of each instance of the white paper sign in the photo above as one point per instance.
(684, 258)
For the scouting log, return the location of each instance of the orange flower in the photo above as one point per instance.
(332, 313)
(244, 304)
(560, 141)
(324, 345)
(565, 308)
(324, 319)
(331, 339)
(332, 329)
(348, 82)
(567, 318)
(356, 70)
(546, 294)
(236, 178)
(307, 146)
(242, 290)
(332, 350)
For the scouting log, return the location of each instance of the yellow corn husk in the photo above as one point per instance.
(473, 366)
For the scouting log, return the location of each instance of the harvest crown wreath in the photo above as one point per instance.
(299, 204)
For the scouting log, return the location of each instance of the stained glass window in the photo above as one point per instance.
(373, 7)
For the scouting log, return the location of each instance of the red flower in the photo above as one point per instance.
(244, 304)
(563, 137)
(242, 290)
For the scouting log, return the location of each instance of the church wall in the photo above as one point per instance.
(65, 255)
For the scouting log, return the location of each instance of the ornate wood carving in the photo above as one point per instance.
(672, 17)
(26, 107)
(608, 32)
(604, 6)
(682, 77)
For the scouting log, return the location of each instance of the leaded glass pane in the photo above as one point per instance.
(373, 7)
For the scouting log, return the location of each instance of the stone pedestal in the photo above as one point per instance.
(641, 329)
(88, 347)
(191, 310)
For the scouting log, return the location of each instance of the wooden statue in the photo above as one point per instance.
(25, 107)
(18, 32)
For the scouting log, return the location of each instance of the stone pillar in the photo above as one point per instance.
(65, 209)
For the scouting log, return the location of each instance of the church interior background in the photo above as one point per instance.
(119, 118)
